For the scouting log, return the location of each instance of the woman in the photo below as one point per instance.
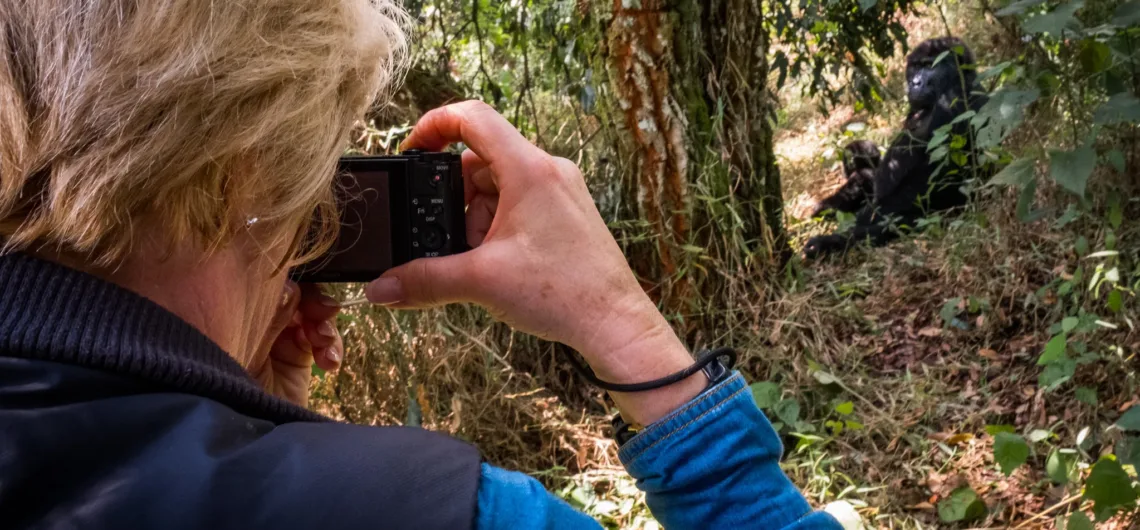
(159, 164)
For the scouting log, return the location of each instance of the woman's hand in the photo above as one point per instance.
(303, 332)
(544, 261)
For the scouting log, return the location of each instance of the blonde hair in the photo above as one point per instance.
(196, 114)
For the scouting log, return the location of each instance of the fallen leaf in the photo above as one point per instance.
(989, 354)
(930, 332)
(922, 506)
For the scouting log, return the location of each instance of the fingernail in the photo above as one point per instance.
(333, 354)
(287, 293)
(329, 301)
(385, 291)
(327, 329)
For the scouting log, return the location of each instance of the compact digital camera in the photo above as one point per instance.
(394, 209)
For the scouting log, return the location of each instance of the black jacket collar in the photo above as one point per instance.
(53, 313)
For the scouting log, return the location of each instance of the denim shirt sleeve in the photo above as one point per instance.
(713, 463)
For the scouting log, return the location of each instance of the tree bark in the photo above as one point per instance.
(690, 82)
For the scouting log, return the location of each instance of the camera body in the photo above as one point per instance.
(394, 209)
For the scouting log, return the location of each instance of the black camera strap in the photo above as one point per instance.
(704, 360)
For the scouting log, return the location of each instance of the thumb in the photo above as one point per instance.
(426, 282)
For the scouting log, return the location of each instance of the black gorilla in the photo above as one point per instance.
(860, 158)
(908, 184)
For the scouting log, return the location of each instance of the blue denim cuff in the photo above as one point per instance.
(714, 462)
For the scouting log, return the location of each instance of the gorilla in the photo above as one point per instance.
(906, 185)
(860, 158)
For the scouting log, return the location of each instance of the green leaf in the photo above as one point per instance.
(1054, 350)
(1095, 56)
(1078, 521)
(765, 393)
(1108, 486)
(994, 430)
(853, 425)
(1127, 14)
(1017, 173)
(962, 504)
(845, 408)
(1071, 169)
(1069, 324)
(867, 4)
(1128, 452)
(1115, 301)
(1086, 395)
(788, 410)
(1130, 421)
(1081, 246)
(1061, 466)
(950, 310)
(1025, 211)
(1056, 374)
(1115, 210)
(1119, 108)
(1055, 22)
(317, 371)
(1010, 451)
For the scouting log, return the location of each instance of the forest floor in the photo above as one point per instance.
(897, 359)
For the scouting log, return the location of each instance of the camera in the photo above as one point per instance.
(394, 209)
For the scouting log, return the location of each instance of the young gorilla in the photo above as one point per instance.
(906, 186)
(860, 158)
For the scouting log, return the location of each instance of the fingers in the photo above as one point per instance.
(480, 215)
(429, 282)
(317, 315)
(477, 177)
(476, 124)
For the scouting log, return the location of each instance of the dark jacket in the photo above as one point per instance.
(115, 413)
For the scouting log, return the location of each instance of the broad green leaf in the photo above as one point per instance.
(1115, 301)
(1115, 210)
(1081, 245)
(1054, 350)
(317, 371)
(962, 504)
(1071, 169)
(1119, 108)
(1108, 486)
(950, 310)
(1086, 395)
(1061, 466)
(1017, 173)
(1078, 521)
(1095, 56)
(1004, 111)
(1127, 13)
(994, 70)
(765, 393)
(1038, 435)
(1130, 420)
(1057, 373)
(867, 4)
(1069, 324)
(845, 408)
(1010, 451)
(1018, 7)
(788, 410)
(1127, 451)
(1056, 22)
(994, 430)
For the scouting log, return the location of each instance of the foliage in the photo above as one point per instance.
(830, 41)
(962, 505)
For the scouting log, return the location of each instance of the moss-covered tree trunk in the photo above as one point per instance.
(690, 82)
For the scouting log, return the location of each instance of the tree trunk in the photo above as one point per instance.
(690, 82)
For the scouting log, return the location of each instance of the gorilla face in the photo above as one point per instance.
(926, 81)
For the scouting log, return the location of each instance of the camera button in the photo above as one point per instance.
(437, 209)
(433, 237)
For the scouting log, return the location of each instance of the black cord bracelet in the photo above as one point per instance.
(703, 359)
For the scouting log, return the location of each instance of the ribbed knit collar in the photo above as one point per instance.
(53, 313)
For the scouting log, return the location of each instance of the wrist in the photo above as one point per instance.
(635, 345)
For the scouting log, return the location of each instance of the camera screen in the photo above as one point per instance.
(365, 240)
